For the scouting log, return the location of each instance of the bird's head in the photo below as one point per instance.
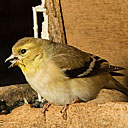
(27, 52)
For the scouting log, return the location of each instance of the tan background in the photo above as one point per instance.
(99, 27)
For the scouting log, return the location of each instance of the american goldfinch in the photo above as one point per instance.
(63, 74)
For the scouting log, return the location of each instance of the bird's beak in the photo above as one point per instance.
(13, 60)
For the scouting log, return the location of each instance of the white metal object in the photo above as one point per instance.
(39, 97)
(36, 9)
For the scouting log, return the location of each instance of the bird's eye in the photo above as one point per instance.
(23, 51)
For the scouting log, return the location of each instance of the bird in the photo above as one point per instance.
(61, 73)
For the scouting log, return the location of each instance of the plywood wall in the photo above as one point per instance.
(99, 27)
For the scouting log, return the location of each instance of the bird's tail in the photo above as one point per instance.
(114, 84)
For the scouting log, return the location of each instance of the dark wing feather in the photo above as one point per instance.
(76, 63)
(116, 74)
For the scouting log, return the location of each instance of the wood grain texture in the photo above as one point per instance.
(107, 110)
(55, 21)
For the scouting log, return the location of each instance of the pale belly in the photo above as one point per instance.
(52, 85)
(56, 91)
(66, 91)
(56, 94)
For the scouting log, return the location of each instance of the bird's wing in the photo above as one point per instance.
(76, 63)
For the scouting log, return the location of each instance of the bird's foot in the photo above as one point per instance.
(45, 108)
(64, 111)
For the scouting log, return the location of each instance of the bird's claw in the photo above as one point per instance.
(45, 108)
(64, 112)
